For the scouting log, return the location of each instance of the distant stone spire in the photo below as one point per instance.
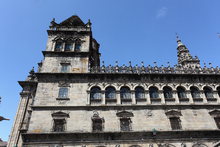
(184, 57)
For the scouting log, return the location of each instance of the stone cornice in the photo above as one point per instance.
(65, 54)
(120, 137)
(125, 77)
(130, 107)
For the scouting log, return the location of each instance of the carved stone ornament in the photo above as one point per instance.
(124, 114)
(215, 113)
(173, 113)
(64, 84)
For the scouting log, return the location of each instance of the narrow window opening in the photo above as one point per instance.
(125, 93)
(68, 46)
(139, 93)
(167, 91)
(65, 68)
(63, 92)
(58, 46)
(181, 92)
(175, 123)
(97, 125)
(125, 124)
(59, 125)
(153, 92)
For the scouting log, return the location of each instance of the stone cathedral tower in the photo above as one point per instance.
(73, 101)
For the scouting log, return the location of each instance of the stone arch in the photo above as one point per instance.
(199, 145)
(95, 85)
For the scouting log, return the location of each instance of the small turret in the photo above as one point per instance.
(184, 57)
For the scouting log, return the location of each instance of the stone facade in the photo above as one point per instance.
(73, 101)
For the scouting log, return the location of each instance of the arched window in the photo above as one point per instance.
(218, 90)
(167, 92)
(208, 92)
(95, 93)
(153, 92)
(68, 46)
(58, 45)
(110, 93)
(181, 92)
(125, 93)
(139, 92)
(195, 92)
(77, 46)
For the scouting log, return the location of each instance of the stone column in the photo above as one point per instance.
(133, 99)
(147, 96)
(118, 97)
(175, 96)
(103, 97)
(215, 95)
(161, 96)
(189, 96)
(202, 95)
(88, 97)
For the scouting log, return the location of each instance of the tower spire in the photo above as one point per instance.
(184, 57)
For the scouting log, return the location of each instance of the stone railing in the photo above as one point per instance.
(176, 69)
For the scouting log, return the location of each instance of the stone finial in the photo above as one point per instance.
(31, 75)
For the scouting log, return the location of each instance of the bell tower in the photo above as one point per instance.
(70, 47)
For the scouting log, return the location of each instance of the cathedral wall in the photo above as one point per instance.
(47, 94)
(76, 64)
(143, 120)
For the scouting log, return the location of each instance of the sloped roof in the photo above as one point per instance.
(72, 21)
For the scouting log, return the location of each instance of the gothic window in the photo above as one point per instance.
(65, 68)
(125, 93)
(110, 93)
(77, 46)
(175, 123)
(97, 125)
(68, 46)
(195, 92)
(58, 46)
(63, 92)
(181, 92)
(167, 91)
(139, 93)
(153, 92)
(208, 92)
(125, 124)
(59, 125)
(95, 93)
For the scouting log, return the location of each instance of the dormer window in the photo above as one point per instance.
(58, 46)
(68, 46)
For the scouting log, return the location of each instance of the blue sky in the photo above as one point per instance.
(127, 30)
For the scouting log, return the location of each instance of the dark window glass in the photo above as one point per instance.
(167, 91)
(95, 93)
(68, 47)
(195, 92)
(125, 124)
(181, 92)
(97, 125)
(208, 92)
(125, 93)
(139, 92)
(218, 89)
(110, 92)
(63, 92)
(217, 121)
(153, 92)
(65, 67)
(77, 46)
(175, 123)
(59, 125)
(58, 46)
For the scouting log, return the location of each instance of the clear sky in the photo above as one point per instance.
(127, 30)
